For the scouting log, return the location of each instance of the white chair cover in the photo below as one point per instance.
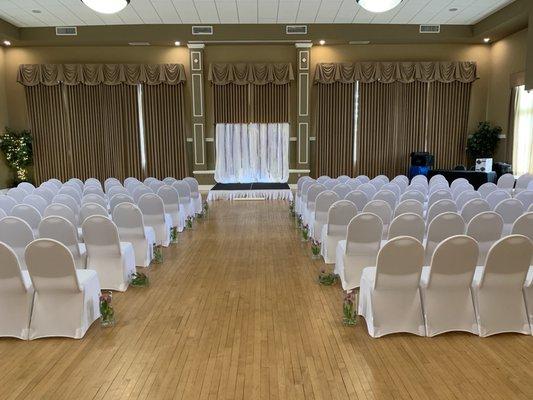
(70, 191)
(509, 210)
(382, 209)
(440, 194)
(473, 208)
(45, 193)
(402, 182)
(299, 187)
(70, 202)
(458, 182)
(486, 228)
(93, 182)
(94, 198)
(465, 197)
(17, 194)
(29, 188)
(438, 179)
(114, 190)
(66, 300)
(149, 180)
(394, 188)
(331, 183)
(496, 197)
(36, 201)
(339, 215)
(7, 203)
(186, 202)
(89, 209)
(377, 183)
(155, 185)
(29, 214)
(196, 197)
(119, 198)
(419, 187)
(390, 295)
(524, 226)
(153, 211)
(410, 206)
(110, 182)
(342, 190)
(357, 197)
(465, 187)
(139, 191)
(169, 181)
(303, 195)
(354, 183)
(442, 227)
(60, 229)
(363, 178)
(16, 296)
(320, 179)
(171, 203)
(113, 260)
(407, 224)
(445, 287)
(312, 193)
(56, 182)
(440, 207)
(61, 210)
(486, 189)
(95, 190)
(17, 234)
(368, 189)
(131, 229)
(323, 202)
(414, 194)
(343, 178)
(387, 196)
(526, 197)
(76, 181)
(506, 182)
(359, 249)
(498, 287)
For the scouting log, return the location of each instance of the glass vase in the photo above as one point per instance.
(158, 254)
(139, 279)
(349, 308)
(107, 313)
(174, 235)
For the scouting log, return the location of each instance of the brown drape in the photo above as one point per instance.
(335, 113)
(51, 142)
(388, 72)
(230, 104)
(256, 74)
(270, 103)
(448, 107)
(95, 74)
(165, 131)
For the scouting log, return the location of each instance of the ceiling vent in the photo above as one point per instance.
(66, 31)
(139, 43)
(296, 29)
(202, 30)
(429, 29)
(359, 42)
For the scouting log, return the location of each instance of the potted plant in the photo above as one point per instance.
(349, 308)
(327, 279)
(484, 141)
(107, 313)
(315, 249)
(18, 150)
(139, 279)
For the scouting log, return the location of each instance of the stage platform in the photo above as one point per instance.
(250, 191)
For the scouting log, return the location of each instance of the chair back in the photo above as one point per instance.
(331, 183)
(17, 234)
(76, 182)
(129, 220)
(381, 208)
(119, 198)
(407, 224)
(169, 180)
(193, 185)
(440, 207)
(300, 182)
(101, 237)
(155, 185)
(496, 197)
(524, 225)
(342, 190)
(394, 188)
(61, 210)
(401, 183)
(69, 201)
(462, 188)
(506, 181)
(95, 190)
(486, 189)
(465, 197)
(60, 229)
(17, 194)
(438, 178)
(320, 179)
(443, 226)
(473, 208)
(152, 208)
(45, 193)
(377, 183)
(323, 202)
(526, 197)
(313, 193)
(149, 180)
(440, 194)
(363, 234)
(29, 188)
(170, 197)
(388, 196)
(27, 213)
(184, 192)
(93, 182)
(363, 178)
(410, 206)
(509, 210)
(354, 183)
(368, 189)
(358, 197)
(7, 203)
(305, 188)
(36, 201)
(94, 198)
(11, 280)
(339, 216)
(343, 178)
(70, 191)
(486, 228)
(51, 267)
(399, 264)
(458, 182)
(413, 194)
(89, 209)
(140, 190)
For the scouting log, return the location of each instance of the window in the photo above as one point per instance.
(523, 132)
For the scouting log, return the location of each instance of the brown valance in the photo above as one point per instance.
(95, 74)
(388, 72)
(256, 74)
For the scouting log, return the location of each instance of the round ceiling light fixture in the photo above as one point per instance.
(378, 6)
(106, 6)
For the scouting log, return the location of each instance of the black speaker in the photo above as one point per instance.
(502, 168)
(421, 159)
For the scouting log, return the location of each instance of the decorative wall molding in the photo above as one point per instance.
(199, 144)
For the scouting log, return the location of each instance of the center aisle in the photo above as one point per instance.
(235, 312)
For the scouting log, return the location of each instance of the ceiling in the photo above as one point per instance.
(36, 13)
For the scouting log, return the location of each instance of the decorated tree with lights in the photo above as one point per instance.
(18, 151)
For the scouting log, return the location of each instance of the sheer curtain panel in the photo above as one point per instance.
(249, 153)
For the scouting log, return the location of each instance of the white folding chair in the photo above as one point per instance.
(394, 188)
(17, 194)
(486, 229)
(169, 181)
(509, 210)
(413, 194)
(61, 210)
(498, 287)
(94, 198)
(358, 197)
(458, 182)
(299, 187)
(139, 191)
(442, 227)
(445, 287)
(382, 209)
(496, 197)
(17, 234)
(473, 208)
(131, 229)
(407, 224)
(95, 190)
(342, 190)
(66, 300)
(388, 196)
(323, 202)
(506, 182)
(330, 183)
(45, 193)
(524, 226)
(36, 201)
(465, 197)
(70, 191)
(441, 194)
(113, 260)
(339, 215)
(93, 182)
(16, 296)
(321, 179)
(68, 201)
(303, 195)
(155, 185)
(30, 214)
(363, 178)
(62, 230)
(354, 183)
(343, 178)
(309, 211)
(114, 190)
(440, 207)
(359, 249)
(526, 197)
(389, 294)
(196, 197)
(462, 188)
(486, 189)
(368, 189)
(27, 187)
(119, 198)
(154, 215)
(171, 202)
(184, 193)
(409, 206)
(89, 209)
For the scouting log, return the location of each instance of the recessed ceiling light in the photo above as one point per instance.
(453, 9)
(36, 11)
(177, 43)
(106, 6)
(6, 43)
(486, 40)
(322, 42)
(377, 6)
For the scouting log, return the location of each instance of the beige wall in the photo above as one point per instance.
(508, 57)
(503, 57)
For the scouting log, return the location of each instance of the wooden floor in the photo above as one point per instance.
(235, 312)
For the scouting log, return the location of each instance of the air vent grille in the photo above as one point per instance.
(202, 30)
(296, 29)
(139, 43)
(429, 28)
(66, 31)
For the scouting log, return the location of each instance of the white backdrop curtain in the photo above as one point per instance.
(247, 153)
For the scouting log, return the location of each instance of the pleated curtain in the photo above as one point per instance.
(335, 118)
(165, 131)
(230, 103)
(270, 103)
(447, 130)
(51, 139)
